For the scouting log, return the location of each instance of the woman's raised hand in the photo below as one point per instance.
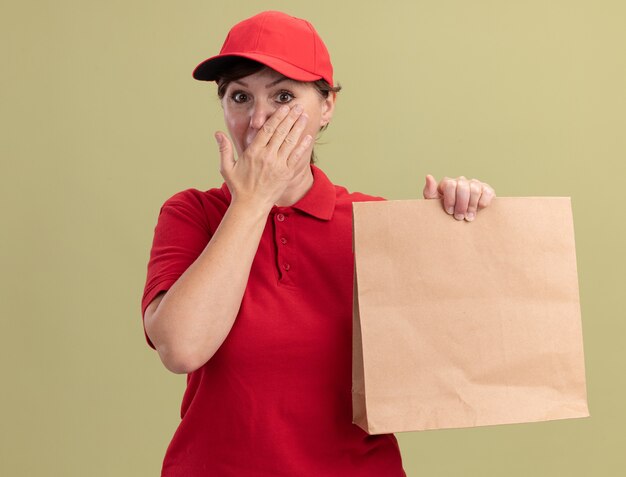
(461, 197)
(276, 154)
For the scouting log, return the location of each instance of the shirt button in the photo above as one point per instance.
(283, 240)
(280, 217)
(286, 266)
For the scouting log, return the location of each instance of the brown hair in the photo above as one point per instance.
(235, 68)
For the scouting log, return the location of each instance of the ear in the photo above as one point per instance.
(328, 107)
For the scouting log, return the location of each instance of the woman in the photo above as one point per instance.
(249, 287)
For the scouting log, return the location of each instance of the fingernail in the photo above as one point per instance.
(307, 140)
(459, 216)
(450, 210)
(470, 216)
(218, 138)
(297, 108)
(284, 109)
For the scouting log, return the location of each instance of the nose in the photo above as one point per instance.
(259, 113)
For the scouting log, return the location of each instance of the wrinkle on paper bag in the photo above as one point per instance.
(460, 324)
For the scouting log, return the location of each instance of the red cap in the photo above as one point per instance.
(284, 43)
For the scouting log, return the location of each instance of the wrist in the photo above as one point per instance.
(250, 207)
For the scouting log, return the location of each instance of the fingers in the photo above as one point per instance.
(293, 138)
(282, 133)
(266, 133)
(227, 157)
(475, 188)
(430, 188)
(287, 133)
(447, 189)
(463, 198)
(487, 196)
(298, 152)
(277, 128)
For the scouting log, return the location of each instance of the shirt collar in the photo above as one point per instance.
(319, 201)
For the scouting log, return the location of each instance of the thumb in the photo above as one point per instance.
(227, 159)
(430, 188)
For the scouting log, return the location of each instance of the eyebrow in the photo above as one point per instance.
(273, 83)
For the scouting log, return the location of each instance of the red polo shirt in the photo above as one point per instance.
(275, 399)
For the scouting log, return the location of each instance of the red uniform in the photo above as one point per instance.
(275, 399)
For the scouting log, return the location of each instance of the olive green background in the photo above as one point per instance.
(101, 122)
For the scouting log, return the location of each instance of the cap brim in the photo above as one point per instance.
(209, 70)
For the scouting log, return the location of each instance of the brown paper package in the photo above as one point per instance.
(462, 324)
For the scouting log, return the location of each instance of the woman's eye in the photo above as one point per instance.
(239, 97)
(284, 97)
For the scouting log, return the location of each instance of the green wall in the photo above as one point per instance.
(100, 122)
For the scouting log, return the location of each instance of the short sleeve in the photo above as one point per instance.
(181, 234)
